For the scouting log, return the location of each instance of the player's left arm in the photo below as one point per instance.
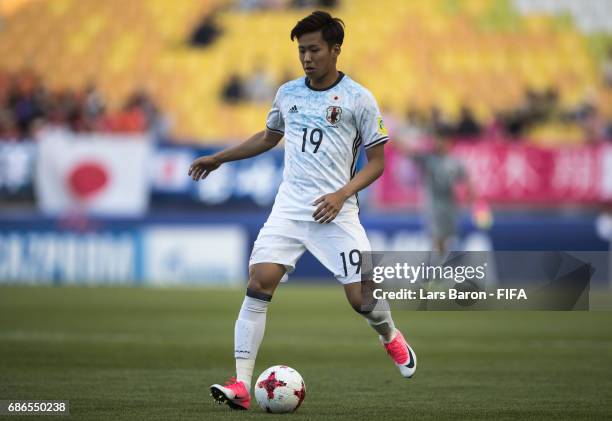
(329, 205)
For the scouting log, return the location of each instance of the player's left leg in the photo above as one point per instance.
(339, 246)
(376, 312)
(378, 315)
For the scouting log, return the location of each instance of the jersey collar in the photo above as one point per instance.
(340, 76)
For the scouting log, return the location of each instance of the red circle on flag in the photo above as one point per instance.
(87, 179)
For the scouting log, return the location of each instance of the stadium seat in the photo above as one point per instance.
(418, 53)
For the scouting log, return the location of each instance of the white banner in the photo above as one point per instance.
(195, 255)
(95, 174)
(16, 163)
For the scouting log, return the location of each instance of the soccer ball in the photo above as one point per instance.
(280, 389)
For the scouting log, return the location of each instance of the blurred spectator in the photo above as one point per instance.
(591, 122)
(26, 106)
(94, 106)
(25, 101)
(250, 5)
(129, 120)
(153, 119)
(494, 130)
(467, 126)
(138, 114)
(233, 91)
(142, 101)
(608, 130)
(413, 128)
(537, 107)
(259, 87)
(303, 4)
(607, 68)
(205, 33)
(439, 123)
(328, 4)
(8, 127)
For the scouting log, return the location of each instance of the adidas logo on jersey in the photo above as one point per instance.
(293, 109)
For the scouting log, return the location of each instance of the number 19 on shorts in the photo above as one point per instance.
(353, 259)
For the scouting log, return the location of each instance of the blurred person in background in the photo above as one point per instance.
(206, 32)
(234, 90)
(154, 121)
(413, 128)
(467, 127)
(303, 4)
(439, 120)
(607, 68)
(589, 118)
(26, 101)
(251, 5)
(94, 107)
(259, 86)
(8, 127)
(441, 173)
(26, 106)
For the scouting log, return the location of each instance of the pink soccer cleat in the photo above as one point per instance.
(403, 356)
(234, 393)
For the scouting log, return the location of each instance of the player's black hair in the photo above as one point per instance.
(332, 29)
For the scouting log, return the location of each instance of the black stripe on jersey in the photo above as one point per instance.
(378, 141)
(356, 144)
(274, 130)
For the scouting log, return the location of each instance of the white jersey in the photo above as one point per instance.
(323, 130)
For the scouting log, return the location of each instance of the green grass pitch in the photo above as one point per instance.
(150, 354)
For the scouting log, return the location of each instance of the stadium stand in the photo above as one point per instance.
(484, 55)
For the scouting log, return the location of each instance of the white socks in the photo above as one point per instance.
(381, 321)
(251, 324)
(244, 371)
(248, 333)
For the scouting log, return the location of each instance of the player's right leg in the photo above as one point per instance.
(278, 247)
(248, 333)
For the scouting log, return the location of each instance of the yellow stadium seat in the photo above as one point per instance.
(422, 53)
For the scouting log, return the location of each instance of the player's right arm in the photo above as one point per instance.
(257, 144)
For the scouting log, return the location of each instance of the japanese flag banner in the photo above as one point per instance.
(96, 174)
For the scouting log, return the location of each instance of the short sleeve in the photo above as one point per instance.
(370, 122)
(275, 121)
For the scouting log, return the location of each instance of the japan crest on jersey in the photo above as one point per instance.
(333, 114)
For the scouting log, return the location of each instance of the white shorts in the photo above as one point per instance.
(337, 245)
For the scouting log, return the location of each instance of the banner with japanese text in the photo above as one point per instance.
(508, 174)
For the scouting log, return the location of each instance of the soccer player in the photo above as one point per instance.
(324, 117)
(441, 173)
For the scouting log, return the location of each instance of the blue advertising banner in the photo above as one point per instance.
(213, 248)
(251, 182)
